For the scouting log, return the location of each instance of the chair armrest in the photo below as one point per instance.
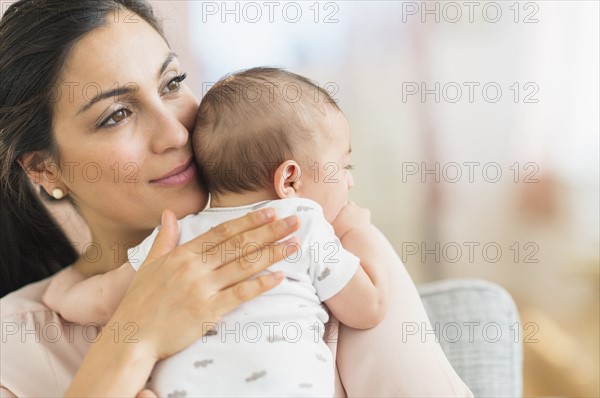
(477, 324)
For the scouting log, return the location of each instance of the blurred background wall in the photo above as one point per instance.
(475, 138)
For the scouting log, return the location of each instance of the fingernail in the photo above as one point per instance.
(292, 242)
(267, 214)
(277, 276)
(291, 221)
(289, 248)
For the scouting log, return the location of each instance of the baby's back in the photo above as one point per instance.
(271, 345)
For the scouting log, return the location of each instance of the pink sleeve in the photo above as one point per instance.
(377, 362)
(39, 351)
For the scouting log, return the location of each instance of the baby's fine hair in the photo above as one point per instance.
(252, 121)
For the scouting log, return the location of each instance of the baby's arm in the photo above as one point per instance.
(362, 303)
(94, 299)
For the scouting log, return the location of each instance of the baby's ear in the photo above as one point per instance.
(286, 179)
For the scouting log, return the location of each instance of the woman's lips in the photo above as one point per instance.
(179, 176)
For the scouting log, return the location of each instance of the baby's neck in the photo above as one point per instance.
(241, 199)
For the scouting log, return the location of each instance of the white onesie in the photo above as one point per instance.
(272, 345)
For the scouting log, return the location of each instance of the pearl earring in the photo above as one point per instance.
(58, 193)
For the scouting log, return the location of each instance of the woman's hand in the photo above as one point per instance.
(178, 290)
(146, 394)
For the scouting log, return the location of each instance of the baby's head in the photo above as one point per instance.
(270, 131)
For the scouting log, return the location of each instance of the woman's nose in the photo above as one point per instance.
(167, 130)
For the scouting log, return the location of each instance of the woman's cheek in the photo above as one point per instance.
(187, 109)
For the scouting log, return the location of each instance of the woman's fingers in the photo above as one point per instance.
(167, 236)
(216, 251)
(251, 264)
(232, 297)
(146, 394)
(202, 285)
(226, 230)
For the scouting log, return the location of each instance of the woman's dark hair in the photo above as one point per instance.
(36, 37)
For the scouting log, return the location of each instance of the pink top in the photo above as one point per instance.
(40, 352)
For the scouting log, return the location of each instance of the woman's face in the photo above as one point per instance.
(122, 124)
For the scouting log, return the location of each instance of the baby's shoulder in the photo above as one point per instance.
(313, 225)
(305, 209)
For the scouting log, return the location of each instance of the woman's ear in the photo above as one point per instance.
(43, 172)
(287, 179)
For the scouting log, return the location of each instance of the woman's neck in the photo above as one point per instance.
(107, 251)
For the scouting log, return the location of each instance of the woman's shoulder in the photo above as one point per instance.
(39, 351)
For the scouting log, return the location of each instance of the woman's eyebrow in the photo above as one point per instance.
(126, 89)
(170, 57)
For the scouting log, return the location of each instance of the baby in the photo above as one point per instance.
(264, 137)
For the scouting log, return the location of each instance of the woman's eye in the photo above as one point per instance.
(349, 167)
(115, 118)
(175, 83)
(118, 116)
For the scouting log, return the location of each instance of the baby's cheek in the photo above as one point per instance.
(341, 202)
(332, 210)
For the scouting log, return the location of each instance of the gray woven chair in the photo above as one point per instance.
(476, 322)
